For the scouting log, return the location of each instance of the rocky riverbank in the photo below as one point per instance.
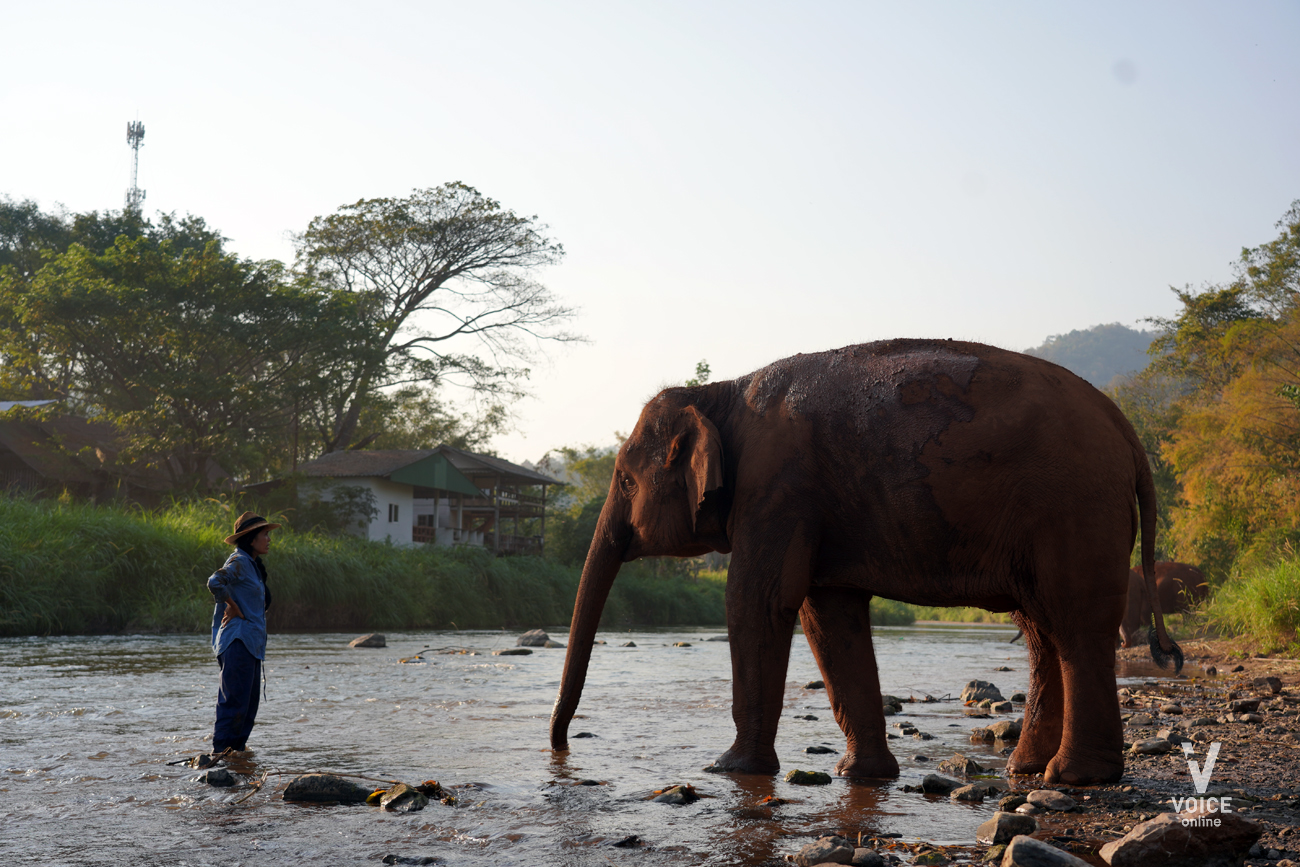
(1245, 703)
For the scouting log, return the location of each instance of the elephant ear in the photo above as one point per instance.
(704, 473)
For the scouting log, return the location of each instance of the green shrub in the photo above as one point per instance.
(1261, 605)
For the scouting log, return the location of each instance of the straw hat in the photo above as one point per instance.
(249, 523)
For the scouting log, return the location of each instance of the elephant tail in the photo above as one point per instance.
(1163, 648)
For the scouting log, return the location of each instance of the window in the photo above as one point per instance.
(393, 509)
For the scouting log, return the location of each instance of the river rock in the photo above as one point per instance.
(1028, 809)
(325, 787)
(404, 799)
(1244, 705)
(1004, 826)
(815, 684)
(533, 638)
(1002, 707)
(1019, 697)
(1172, 709)
(1173, 736)
(677, 795)
(1029, 852)
(933, 784)
(1006, 729)
(1166, 841)
(553, 644)
(1248, 718)
(628, 644)
(1152, 747)
(808, 778)
(1272, 684)
(974, 794)
(1051, 800)
(719, 638)
(1010, 802)
(423, 860)
(819, 750)
(512, 651)
(863, 857)
(374, 639)
(827, 850)
(960, 765)
(216, 777)
(978, 690)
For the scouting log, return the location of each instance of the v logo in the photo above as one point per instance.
(1201, 778)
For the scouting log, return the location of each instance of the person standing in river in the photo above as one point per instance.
(239, 630)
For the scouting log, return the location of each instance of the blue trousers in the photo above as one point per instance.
(237, 697)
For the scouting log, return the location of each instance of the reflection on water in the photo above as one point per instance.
(88, 724)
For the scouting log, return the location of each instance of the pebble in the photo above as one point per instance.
(1025, 851)
(1049, 799)
(808, 778)
(933, 784)
(628, 644)
(815, 684)
(1002, 707)
(216, 777)
(975, 793)
(678, 795)
(325, 787)
(978, 690)
(1152, 747)
(404, 799)
(533, 638)
(1172, 709)
(1272, 684)
(826, 850)
(512, 651)
(819, 750)
(374, 639)
(1003, 827)
(681, 644)
(1019, 697)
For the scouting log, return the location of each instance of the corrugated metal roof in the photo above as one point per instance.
(472, 464)
(385, 462)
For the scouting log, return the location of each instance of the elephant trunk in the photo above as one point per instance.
(604, 558)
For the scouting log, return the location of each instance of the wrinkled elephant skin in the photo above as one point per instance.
(927, 471)
(1178, 588)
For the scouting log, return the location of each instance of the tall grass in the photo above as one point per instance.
(1262, 606)
(75, 568)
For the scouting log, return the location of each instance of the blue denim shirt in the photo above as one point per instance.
(238, 579)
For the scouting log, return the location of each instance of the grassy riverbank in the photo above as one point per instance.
(76, 568)
(1261, 606)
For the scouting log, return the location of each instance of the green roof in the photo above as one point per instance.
(435, 471)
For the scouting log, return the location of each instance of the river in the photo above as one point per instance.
(89, 724)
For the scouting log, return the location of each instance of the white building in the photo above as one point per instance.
(440, 496)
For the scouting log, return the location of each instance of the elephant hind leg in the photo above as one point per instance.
(837, 623)
(1040, 738)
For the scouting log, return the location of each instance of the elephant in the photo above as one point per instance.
(1178, 587)
(934, 472)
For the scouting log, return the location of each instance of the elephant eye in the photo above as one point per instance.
(628, 485)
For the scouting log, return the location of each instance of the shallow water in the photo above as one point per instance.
(88, 724)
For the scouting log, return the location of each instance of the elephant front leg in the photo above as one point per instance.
(761, 610)
(837, 623)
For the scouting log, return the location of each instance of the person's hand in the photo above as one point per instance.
(232, 611)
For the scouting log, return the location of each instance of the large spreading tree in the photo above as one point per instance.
(445, 279)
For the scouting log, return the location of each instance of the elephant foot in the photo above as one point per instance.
(875, 765)
(1023, 763)
(1076, 771)
(735, 762)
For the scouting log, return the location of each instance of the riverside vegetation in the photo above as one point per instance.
(69, 567)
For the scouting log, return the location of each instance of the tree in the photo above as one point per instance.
(1230, 364)
(1098, 354)
(701, 377)
(192, 353)
(439, 270)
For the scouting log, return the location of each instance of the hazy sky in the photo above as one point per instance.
(732, 181)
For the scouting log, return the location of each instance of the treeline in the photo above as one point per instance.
(200, 358)
(1218, 409)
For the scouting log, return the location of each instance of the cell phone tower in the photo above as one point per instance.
(134, 136)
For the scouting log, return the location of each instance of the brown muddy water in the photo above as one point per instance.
(89, 724)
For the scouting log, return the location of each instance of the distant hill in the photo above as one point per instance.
(1098, 354)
